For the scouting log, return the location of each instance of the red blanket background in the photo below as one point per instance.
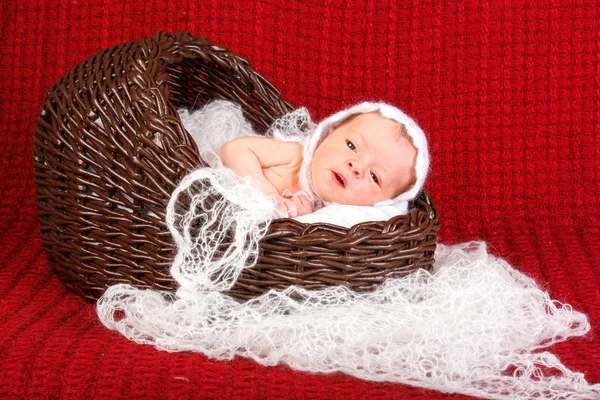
(508, 93)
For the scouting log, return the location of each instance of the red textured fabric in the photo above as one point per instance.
(508, 93)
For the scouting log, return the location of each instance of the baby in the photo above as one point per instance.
(366, 159)
(364, 163)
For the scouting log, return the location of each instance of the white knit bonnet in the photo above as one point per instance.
(413, 130)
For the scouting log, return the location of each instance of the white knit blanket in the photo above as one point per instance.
(475, 325)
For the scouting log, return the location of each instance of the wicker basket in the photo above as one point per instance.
(103, 182)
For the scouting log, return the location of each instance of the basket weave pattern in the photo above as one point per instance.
(103, 180)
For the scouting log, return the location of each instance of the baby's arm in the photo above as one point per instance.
(249, 156)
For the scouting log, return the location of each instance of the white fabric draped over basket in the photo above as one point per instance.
(474, 325)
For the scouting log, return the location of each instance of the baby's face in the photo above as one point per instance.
(363, 161)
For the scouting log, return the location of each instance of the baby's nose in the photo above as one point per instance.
(356, 168)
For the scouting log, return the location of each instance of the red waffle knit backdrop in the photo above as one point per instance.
(507, 92)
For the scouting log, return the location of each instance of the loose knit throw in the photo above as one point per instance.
(474, 325)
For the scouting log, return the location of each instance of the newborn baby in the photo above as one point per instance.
(366, 159)
(361, 164)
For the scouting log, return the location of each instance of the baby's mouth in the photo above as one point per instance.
(339, 178)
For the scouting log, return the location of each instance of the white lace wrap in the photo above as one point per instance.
(458, 329)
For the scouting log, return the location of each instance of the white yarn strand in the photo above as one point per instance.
(474, 325)
(295, 126)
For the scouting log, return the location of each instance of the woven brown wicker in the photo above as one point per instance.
(103, 182)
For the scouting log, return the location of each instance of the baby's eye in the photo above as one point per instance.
(350, 145)
(374, 178)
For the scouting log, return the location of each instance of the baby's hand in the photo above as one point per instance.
(303, 204)
(295, 206)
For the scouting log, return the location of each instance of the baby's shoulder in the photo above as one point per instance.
(291, 151)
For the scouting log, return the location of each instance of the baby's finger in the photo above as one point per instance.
(292, 209)
(305, 201)
(281, 206)
(304, 205)
(282, 210)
